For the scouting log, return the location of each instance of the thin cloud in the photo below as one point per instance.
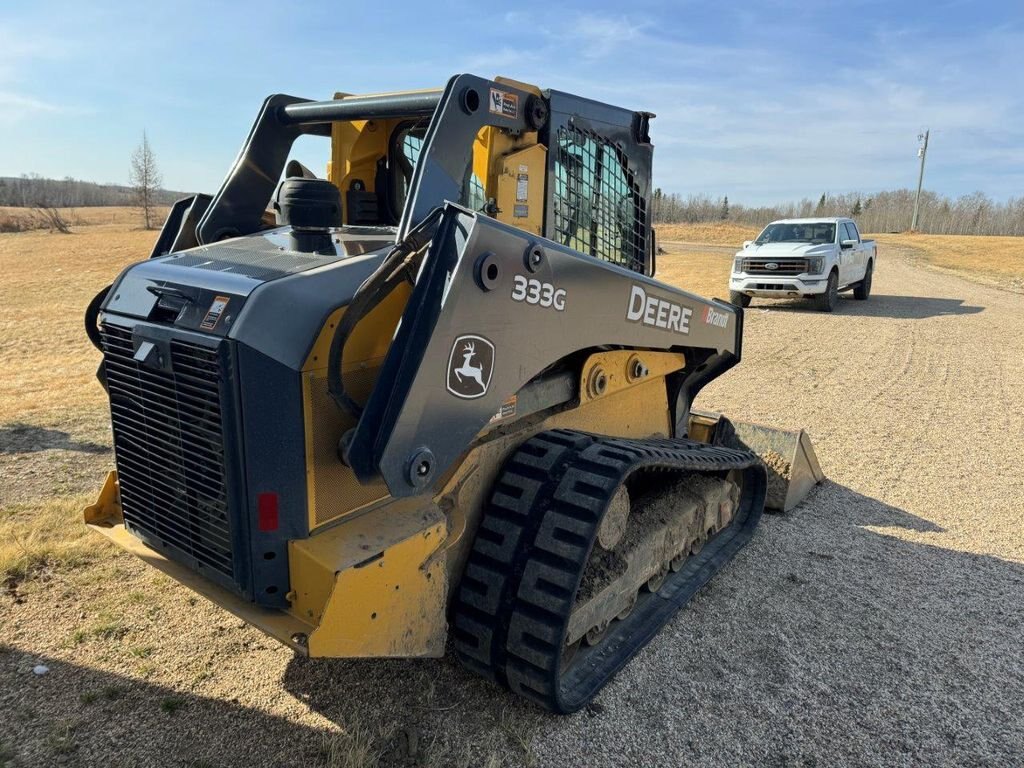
(16, 106)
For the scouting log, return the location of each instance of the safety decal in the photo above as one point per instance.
(506, 411)
(217, 307)
(504, 103)
(523, 184)
(470, 366)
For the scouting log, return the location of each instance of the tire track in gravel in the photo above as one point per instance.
(879, 622)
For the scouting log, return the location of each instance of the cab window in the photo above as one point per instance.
(407, 145)
(598, 208)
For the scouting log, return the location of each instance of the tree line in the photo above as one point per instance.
(46, 200)
(974, 214)
(32, 190)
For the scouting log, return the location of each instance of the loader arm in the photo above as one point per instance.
(493, 308)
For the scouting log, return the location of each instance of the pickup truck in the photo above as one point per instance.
(809, 258)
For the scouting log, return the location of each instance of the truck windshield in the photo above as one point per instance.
(814, 233)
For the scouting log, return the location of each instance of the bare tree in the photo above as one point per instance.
(50, 217)
(144, 178)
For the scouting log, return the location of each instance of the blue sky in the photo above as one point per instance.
(764, 102)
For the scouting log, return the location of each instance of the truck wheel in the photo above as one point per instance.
(826, 301)
(862, 290)
(739, 299)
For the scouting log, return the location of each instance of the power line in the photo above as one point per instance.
(922, 153)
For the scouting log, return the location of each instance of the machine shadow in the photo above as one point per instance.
(859, 511)
(879, 305)
(80, 716)
(28, 438)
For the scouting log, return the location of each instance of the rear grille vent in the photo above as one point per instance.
(782, 266)
(169, 448)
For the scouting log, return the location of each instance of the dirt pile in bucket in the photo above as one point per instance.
(779, 473)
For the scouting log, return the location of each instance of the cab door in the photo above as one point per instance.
(599, 181)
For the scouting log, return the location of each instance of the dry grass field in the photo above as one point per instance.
(714, 233)
(998, 260)
(877, 624)
(53, 425)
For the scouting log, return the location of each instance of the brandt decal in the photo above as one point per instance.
(470, 366)
(713, 316)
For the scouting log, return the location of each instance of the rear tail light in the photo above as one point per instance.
(266, 512)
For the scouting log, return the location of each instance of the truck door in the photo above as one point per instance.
(847, 256)
(859, 263)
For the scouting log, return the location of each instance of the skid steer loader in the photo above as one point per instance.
(437, 395)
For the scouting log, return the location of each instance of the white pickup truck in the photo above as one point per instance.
(810, 258)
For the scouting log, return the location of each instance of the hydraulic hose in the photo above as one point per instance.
(396, 268)
(92, 313)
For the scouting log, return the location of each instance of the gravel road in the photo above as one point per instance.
(879, 623)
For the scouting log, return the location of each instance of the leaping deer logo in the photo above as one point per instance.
(468, 370)
(472, 378)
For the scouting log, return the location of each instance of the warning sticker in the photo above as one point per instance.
(504, 103)
(217, 307)
(507, 410)
(522, 185)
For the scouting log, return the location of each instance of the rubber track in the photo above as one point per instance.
(512, 608)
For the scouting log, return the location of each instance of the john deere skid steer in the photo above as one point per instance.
(437, 395)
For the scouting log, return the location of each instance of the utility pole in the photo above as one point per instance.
(922, 152)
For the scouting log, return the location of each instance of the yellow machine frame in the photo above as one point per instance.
(373, 578)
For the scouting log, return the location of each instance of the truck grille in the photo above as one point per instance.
(782, 266)
(169, 449)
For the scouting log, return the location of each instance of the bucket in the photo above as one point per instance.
(788, 455)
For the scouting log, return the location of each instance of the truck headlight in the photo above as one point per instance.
(737, 264)
(815, 265)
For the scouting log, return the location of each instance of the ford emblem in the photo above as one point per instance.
(771, 265)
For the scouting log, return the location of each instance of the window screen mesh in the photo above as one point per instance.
(597, 205)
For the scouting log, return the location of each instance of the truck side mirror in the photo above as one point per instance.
(848, 243)
(746, 244)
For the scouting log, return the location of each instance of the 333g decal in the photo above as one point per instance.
(534, 291)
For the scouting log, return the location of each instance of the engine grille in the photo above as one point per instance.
(782, 266)
(169, 449)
